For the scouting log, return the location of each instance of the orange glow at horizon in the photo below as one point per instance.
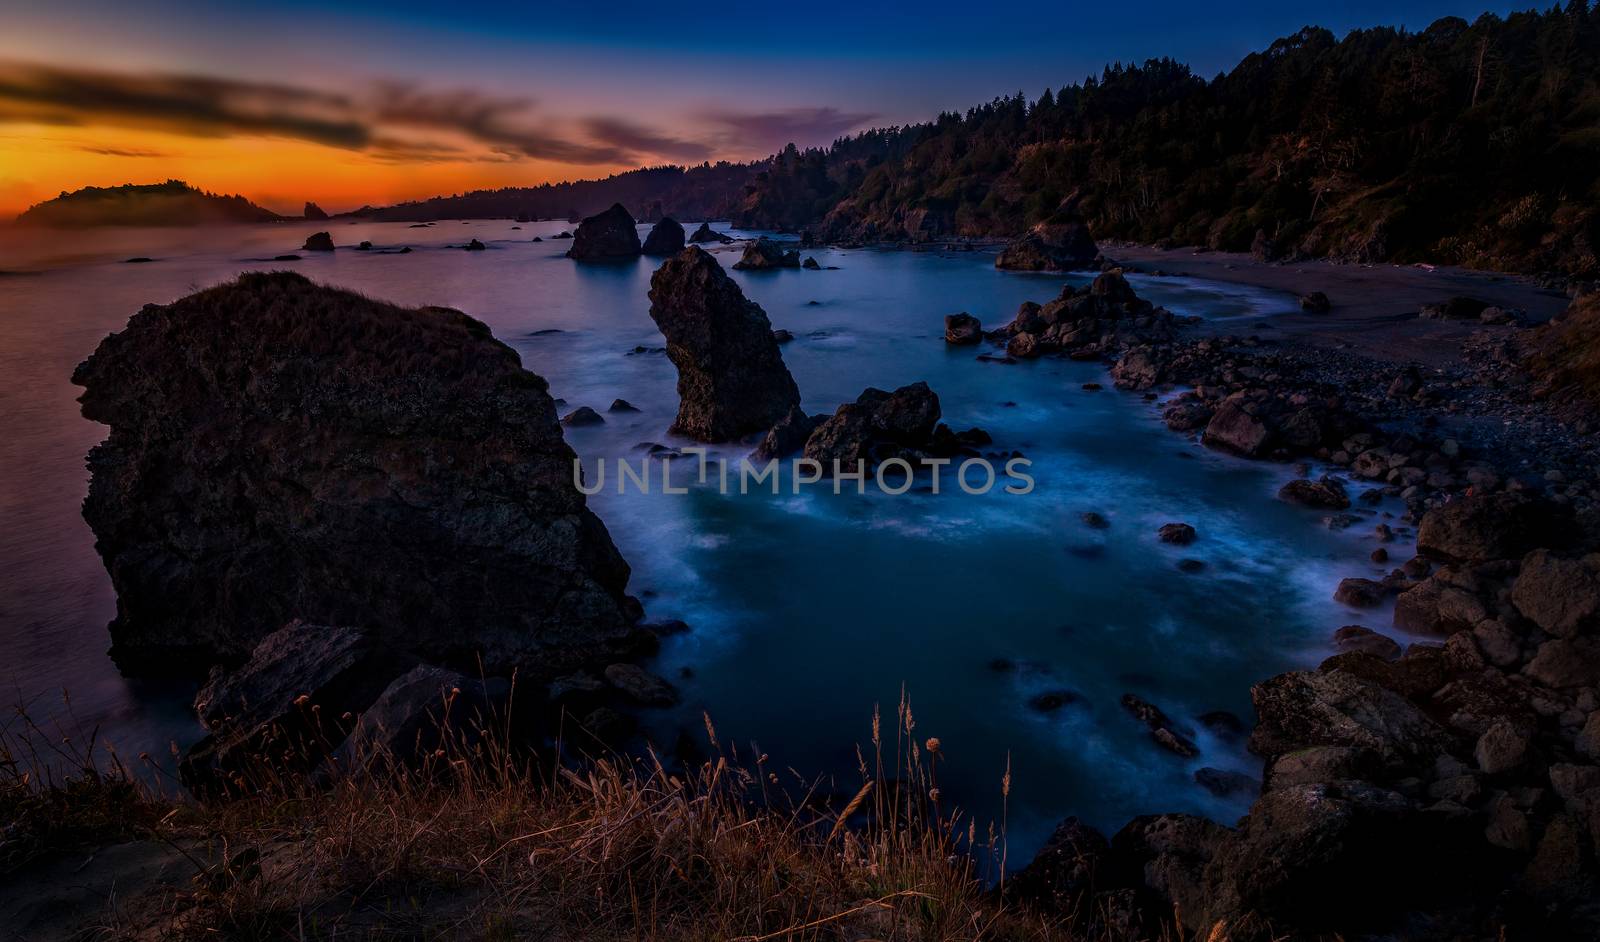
(38, 162)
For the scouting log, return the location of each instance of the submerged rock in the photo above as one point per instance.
(665, 238)
(731, 378)
(282, 450)
(605, 236)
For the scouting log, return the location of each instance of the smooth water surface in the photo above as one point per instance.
(805, 610)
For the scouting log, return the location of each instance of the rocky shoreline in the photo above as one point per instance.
(1436, 790)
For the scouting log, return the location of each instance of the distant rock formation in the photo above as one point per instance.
(707, 234)
(1061, 243)
(665, 238)
(764, 254)
(314, 212)
(173, 203)
(282, 450)
(318, 242)
(731, 377)
(606, 236)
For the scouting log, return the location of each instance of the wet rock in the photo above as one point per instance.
(1062, 244)
(606, 236)
(1360, 593)
(641, 686)
(581, 416)
(1177, 534)
(1316, 303)
(665, 238)
(286, 707)
(622, 405)
(1561, 596)
(1235, 427)
(781, 335)
(1094, 521)
(1497, 526)
(1225, 783)
(731, 378)
(1161, 728)
(962, 329)
(318, 242)
(880, 425)
(431, 497)
(1357, 638)
(707, 234)
(786, 437)
(475, 246)
(1326, 493)
(1336, 708)
(1187, 416)
(810, 264)
(764, 255)
(1053, 700)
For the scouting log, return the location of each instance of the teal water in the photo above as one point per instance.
(805, 610)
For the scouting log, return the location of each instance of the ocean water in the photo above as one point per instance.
(805, 610)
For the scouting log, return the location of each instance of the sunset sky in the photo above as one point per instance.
(379, 102)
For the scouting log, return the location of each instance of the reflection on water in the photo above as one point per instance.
(805, 610)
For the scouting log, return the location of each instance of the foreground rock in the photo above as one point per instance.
(665, 238)
(764, 254)
(1062, 244)
(731, 377)
(606, 236)
(280, 450)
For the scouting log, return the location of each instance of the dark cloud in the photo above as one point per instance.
(771, 130)
(638, 139)
(122, 151)
(393, 121)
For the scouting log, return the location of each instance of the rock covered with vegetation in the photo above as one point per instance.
(280, 450)
(606, 236)
(173, 203)
(732, 380)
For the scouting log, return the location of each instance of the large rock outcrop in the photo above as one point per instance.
(665, 238)
(1059, 244)
(606, 236)
(282, 450)
(731, 377)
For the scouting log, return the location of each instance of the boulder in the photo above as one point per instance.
(318, 242)
(1300, 709)
(422, 711)
(581, 416)
(665, 238)
(1167, 854)
(286, 707)
(1494, 526)
(1328, 493)
(1237, 428)
(282, 450)
(878, 425)
(1561, 596)
(641, 686)
(731, 378)
(1074, 862)
(1502, 748)
(1061, 244)
(962, 329)
(1566, 662)
(811, 264)
(1457, 308)
(1225, 783)
(707, 234)
(1316, 303)
(764, 254)
(1360, 593)
(606, 236)
(785, 438)
(1357, 638)
(1178, 534)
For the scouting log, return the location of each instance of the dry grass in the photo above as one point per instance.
(1565, 354)
(478, 844)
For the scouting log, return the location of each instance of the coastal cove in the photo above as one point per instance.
(1014, 624)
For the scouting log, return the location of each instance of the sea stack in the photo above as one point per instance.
(665, 238)
(279, 450)
(731, 378)
(764, 254)
(606, 236)
(318, 242)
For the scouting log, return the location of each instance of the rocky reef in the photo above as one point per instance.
(731, 378)
(280, 450)
(607, 236)
(1098, 320)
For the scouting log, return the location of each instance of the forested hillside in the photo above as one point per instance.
(1472, 143)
